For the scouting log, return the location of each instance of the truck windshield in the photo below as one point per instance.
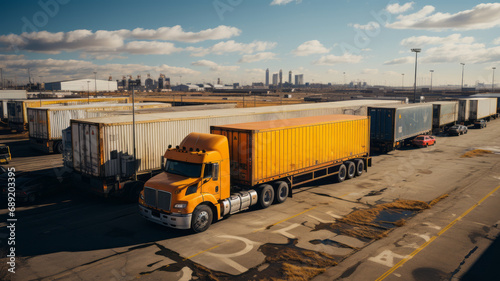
(4, 150)
(186, 169)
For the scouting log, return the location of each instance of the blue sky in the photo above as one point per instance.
(237, 40)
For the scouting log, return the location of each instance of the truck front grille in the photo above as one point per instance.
(157, 198)
(164, 199)
(150, 196)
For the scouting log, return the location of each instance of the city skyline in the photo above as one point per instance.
(200, 42)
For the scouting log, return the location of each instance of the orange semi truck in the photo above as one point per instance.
(209, 176)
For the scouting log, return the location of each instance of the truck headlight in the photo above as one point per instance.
(180, 206)
(192, 189)
(142, 196)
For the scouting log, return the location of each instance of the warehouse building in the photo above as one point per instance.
(82, 85)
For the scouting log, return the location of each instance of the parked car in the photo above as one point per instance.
(480, 124)
(423, 140)
(457, 130)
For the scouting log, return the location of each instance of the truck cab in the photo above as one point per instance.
(194, 180)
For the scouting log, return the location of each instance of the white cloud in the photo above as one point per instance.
(309, 48)
(436, 40)
(482, 16)
(107, 41)
(369, 26)
(214, 66)
(150, 47)
(232, 47)
(333, 72)
(265, 56)
(332, 59)
(283, 2)
(370, 71)
(398, 9)
(11, 57)
(496, 41)
(468, 53)
(56, 70)
(403, 60)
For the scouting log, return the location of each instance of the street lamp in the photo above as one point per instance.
(463, 67)
(88, 91)
(493, 80)
(402, 81)
(416, 51)
(431, 71)
(95, 82)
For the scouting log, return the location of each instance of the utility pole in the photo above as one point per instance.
(95, 82)
(493, 80)
(1, 77)
(431, 71)
(463, 67)
(88, 91)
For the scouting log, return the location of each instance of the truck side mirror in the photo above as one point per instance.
(215, 172)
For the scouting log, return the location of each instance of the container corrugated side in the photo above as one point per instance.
(482, 108)
(444, 113)
(259, 156)
(19, 115)
(412, 121)
(154, 133)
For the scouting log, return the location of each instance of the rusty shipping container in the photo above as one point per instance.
(269, 150)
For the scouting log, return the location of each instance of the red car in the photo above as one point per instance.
(423, 140)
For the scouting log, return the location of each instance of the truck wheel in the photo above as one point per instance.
(266, 196)
(351, 169)
(202, 218)
(342, 173)
(58, 147)
(360, 167)
(280, 191)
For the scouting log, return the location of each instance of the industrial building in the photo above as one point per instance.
(82, 85)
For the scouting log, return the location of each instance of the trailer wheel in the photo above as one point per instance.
(58, 147)
(280, 192)
(351, 169)
(202, 218)
(360, 167)
(266, 196)
(342, 173)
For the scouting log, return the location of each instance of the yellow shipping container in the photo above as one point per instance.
(269, 150)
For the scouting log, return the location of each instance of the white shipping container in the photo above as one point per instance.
(99, 144)
(17, 109)
(482, 107)
(47, 123)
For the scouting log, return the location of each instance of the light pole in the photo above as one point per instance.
(463, 67)
(88, 91)
(402, 81)
(1, 77)
(95, 82)
(431, 71)
(493, 80)
(416, 51)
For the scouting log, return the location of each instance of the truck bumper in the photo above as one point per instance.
(179, 221)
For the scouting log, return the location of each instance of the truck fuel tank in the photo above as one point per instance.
(239, 201)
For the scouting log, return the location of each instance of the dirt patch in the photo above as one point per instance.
(375, 222)
(435, 201)
(476, 153)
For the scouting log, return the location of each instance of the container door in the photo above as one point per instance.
(89, 147)
(75, 140)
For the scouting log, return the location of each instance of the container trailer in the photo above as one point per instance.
(444, 114)
(482, 108)
(102, 148)
(394, 126)
(18, 115)
(47, 123)
(210, 176)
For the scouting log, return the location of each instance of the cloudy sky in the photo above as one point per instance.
(236, 40)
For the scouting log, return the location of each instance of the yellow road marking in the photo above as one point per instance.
(209, 249)
(403, 261)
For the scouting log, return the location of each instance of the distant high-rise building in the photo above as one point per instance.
(275, 79)
(281, 77)
(161, 82)
(166, 83)
(267, 77)
(218, 81)
(290, 77)
(299, 79)
(149, 83)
